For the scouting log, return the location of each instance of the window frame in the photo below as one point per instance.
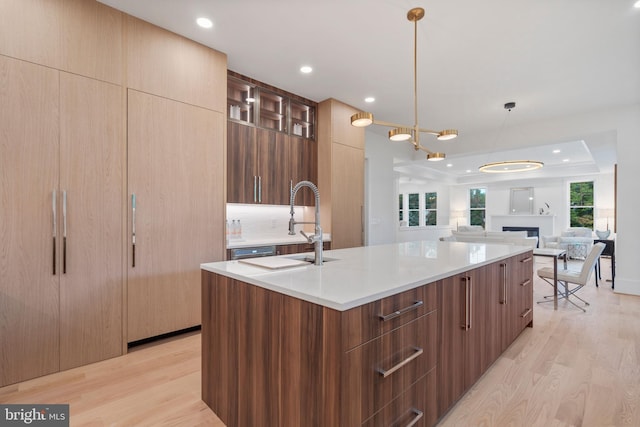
(582, 207)
(482, 209)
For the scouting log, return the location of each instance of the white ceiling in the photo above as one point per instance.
(553, 57)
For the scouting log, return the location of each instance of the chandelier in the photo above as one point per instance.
(404, 132)
(507, 166)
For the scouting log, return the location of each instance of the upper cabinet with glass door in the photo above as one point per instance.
(273, 111)
(241, 98)
(251, 102)
(303, 118)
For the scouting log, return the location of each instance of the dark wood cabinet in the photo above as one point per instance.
(463, 307)
(256, 160)
(483, 311)
(262, 165)
(271, 359)
(270, 144)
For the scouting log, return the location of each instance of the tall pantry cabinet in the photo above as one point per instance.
(341, 174)
(176, 176)
(61, 228)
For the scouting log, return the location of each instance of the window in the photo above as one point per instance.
(430, 208)
(414, 209)
(418, 209)
(581, 204)
(477, 201)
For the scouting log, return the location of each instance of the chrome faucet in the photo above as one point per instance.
(316, 239)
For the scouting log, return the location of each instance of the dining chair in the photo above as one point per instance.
(568, 277)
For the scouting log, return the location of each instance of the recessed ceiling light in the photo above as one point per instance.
(204, 22)
(565, 160)
(449, 165)
(556, 151)
(306, 69)
(637, 4)
(369, 99)
(468, 170)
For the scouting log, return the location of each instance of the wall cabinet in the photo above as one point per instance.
(262, 165)
(61, 243)
(341, 174)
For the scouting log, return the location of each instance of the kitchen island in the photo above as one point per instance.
(377, 335)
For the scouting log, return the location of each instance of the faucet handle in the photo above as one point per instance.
(310, 239)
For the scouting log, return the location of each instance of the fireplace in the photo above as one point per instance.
(531, 231)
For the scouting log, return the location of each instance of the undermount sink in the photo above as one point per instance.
(310, 258)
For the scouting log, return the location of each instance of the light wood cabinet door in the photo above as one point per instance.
(29, 311)
(78, 36)
(91, 176)
(176, 172)
(347, 196)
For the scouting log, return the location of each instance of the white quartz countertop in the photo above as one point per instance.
(267, 241)
(361, 275)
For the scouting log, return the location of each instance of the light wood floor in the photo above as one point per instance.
(571, 369)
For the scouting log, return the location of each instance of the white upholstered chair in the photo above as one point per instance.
(567, 277)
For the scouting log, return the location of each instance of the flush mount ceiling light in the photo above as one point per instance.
(508, 166)
(204, 22)
(404, 132)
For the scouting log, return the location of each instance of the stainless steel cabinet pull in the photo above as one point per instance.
(255, 189)
(385, 317)
(467, 301)
(64, 232)
(133, 230)
(55, 229)
(417, 352)
(528, 259)
(259, 189)
(526, 313)
(418, 417)
(504, 283)
(470, 302)
(526, 282)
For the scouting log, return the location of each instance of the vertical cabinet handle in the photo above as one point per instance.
(259, 189)
(55, 229)
(255, 189)
(465, 324)
(470, 284)
(504, 283)
(64, 232)
(133, 230)
(417, 417)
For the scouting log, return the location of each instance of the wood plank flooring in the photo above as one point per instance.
(570, 369)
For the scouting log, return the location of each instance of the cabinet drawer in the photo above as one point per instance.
(369, 321)
(380, 370)
(418, 404)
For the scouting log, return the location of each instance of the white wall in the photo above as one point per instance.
(623, 123)
(380, 223)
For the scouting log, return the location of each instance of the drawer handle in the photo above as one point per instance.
(526, 313)
(397, 313)
(526, 282)
(528, 259)
(418, 417)
(385, 374)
